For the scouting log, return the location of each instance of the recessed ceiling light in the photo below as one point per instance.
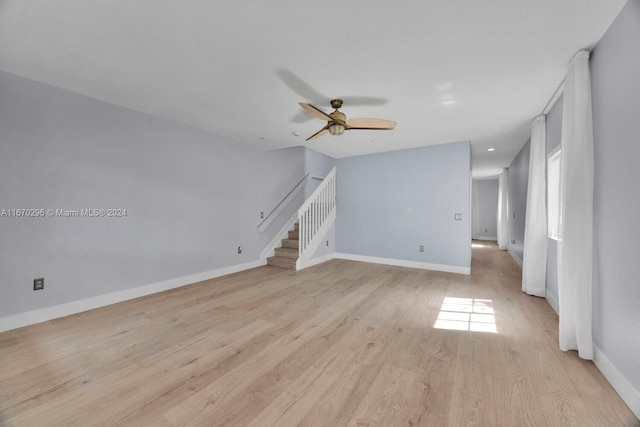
(491, 149)
(295, 133)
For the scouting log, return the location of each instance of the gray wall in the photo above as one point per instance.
(554, 135)
(375, 190)
(191, 198)
(488, 208)
(615, 84)
(615, 73)
(518, 183)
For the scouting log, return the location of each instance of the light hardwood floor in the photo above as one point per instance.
(343, 343)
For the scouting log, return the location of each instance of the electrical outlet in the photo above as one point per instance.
(38, 284)
(458, 217)
(240, 248)
(261, 215)
(327, 243)
(514, 214)
(421, 248)
(513, 242)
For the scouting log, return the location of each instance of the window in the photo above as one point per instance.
(553, 193)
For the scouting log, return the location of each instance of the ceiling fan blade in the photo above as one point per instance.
(318, 134)
(381, 124)
(315, 112)
(301, 117)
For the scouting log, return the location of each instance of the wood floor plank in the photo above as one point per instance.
(200, 407)
(471, 409)
(342, 343)
(365, 348)
(395, 398)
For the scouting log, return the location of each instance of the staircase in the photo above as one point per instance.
(314, 218)
(287, 255)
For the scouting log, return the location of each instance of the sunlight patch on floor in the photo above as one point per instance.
(466, 314)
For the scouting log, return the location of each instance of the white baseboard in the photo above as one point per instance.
(319, 260)
(405, 263)
(515, 257)
(627, 392)
(494, 239)
(553, 301)
(48, 313)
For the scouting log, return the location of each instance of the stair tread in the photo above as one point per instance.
(287, 252)
(283, 262)
(291, 243)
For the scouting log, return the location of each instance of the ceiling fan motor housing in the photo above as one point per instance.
(339, 117)
(336, 103)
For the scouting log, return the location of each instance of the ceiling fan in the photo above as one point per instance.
(337, 122)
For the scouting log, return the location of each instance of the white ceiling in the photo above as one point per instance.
(444, 70)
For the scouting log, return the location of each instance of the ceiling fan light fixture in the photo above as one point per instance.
(336, 129)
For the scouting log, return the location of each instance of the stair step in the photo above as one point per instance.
(282, 262)
(291, 243)
(287, 253)
(294, 235)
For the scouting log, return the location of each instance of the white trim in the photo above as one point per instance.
(48, 313)
(475, 219)
(276, 242)
(627, 392)
(405, 263)
(492, 238)
(316, 215)
(553, 301)
(553, 206)
(555, 151)
(515, 257)
(302, 261)
(554, 98)
(319, 260)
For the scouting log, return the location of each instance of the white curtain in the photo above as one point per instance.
(475, 211)
(534, 264)
(576, 211)
(503, 210)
